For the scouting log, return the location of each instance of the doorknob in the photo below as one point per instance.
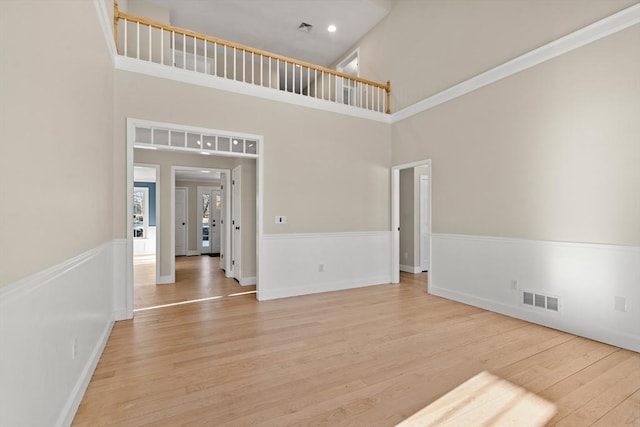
(183, 223)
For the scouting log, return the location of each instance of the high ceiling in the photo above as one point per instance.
(272, 25)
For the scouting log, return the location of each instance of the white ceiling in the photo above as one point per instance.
(272, 25)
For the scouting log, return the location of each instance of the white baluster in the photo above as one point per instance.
(253, 68)
(195, 56)
(137, 40)
(205, 56)
(261, 70)
(150, 55)
(126, 37)
(235, 65)
(184, 51)
(315, 82)
(308, 81)
(162, 46)
(278, 71)
(286, 77)
(244, 66)
(173, 48)
(225, 60)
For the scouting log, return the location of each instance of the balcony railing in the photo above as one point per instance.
(152, 41)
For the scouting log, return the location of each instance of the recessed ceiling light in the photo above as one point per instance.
(198, 142)
(235, 142)
(205, 171)
(205, 153)
(331, 28)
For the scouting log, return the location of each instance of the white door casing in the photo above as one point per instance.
(181, 221)
(236, 230)
(215, 226)
(424, 223)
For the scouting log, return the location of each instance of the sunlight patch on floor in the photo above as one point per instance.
(178, 303)
(485, 400)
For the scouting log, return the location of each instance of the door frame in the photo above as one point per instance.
(173, 221)
(123, 290)
(199, 190)
(157, 182)
(423, 210)
(236, 202)
(395, 217)
(225, 181)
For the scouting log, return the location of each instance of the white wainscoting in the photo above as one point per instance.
(41, 317)
(291, 262)
(586, 277)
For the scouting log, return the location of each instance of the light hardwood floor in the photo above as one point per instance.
(363, 357)
(196, 277)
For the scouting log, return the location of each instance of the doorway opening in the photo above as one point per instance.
(411, 218)
(195, 245)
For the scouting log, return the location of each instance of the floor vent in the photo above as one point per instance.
(541, 301)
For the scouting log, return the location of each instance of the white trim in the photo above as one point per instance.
(200, 79)
(346, 234)
(173, 218)
(236, 208)
(517, 240)
(324, 287)
(30, 283)
(130, 126)
(585, 277)
(247, 281)
(410, 269)
(193, 253)
(107, 28)
(158, 222)
(600, 29)
(305, 263)
(86, 281)
(73, 402)
(395, 215)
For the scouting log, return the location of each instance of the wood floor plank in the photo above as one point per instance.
(365, 357)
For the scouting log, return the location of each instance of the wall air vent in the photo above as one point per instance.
(545, 302)
(306, 27)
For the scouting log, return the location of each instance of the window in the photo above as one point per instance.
(140, 212)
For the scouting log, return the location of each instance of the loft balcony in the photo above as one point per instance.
(144, 40)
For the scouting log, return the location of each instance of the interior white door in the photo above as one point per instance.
(236, 230)
(181, 221)
(215, 226)
(223, 221)
(424, 223)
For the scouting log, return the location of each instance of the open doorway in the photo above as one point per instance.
(210, 153)
(411, 218)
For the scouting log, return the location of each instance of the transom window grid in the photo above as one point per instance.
(204, 143)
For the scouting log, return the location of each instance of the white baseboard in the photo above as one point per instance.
(586, 278)
(70, 409)
(193, 253)
(292, 263)
(247, 281)
(54, 325)
(410, 269)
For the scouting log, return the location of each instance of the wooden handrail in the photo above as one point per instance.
(117, 15)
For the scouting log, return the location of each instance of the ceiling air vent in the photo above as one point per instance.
(541, 301)
(306, 27)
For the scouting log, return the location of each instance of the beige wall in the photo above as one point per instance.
(56, 127)
(326, 172)
(426, 46)
(550, 153)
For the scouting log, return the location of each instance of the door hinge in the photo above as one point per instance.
(233, 262)
(222, 187)
(233, 182)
